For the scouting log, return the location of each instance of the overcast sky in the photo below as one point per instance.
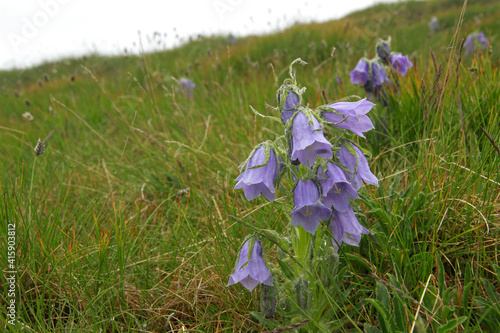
(32, 31)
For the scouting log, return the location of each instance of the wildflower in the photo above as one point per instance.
(28, 116)
(336, 188)
(308, 207)
(187, 86)
(351, 116)
(251, 272)
(384, 49)
(378, 75)
(351, 157)
(400, 63)
(433, 24)
(292, 101)
(259, 175)
(346, 228)
(308, 140)
(360, 74)
(473, 40)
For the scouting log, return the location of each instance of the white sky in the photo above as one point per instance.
(32, 31)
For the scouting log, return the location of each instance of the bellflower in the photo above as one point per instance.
(400, 63)
(351, 116)
(259, 180)
(308, 141)
(357, 165)
(336, 188)
(379, 76)
(360, 74)
(384, 49)
(346, 228)
(473, 40)
(292, 101)
(251, 272)
(187, 86)
(482, 39)
(308, 207)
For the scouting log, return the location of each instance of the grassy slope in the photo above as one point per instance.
(108, 236)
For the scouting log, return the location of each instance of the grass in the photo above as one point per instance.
(128, 220)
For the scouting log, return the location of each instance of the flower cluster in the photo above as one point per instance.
(327, 173)
(475, 40)
(187, 86)
(372, 74)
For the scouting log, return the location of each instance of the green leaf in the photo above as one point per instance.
(371, 329)
(382, 294)
(287, 269)
(400, 313)
(452, 325)
(268, 323)
(385, 318)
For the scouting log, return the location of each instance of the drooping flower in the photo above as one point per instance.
(308, 207)
(292, 101)
(259, 176)
(357, 164)
(308, 140)
(378, 75)
(384, 49)
(187, 86)
(346, 228)
(251, 272)
(352, 116)
(400, 63)
(336, 188)
(360, 73)
(482, 39)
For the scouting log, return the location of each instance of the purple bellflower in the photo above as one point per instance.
(187, 86)
(384, 49)
(292, 101)
(308, 141)
(482, 39)
(336, 188)
(251, 272)
(259, 176)
(351, 116)
(473, 40)
(400, 63)
(346, 228)
(308, 207)
(378, 74)
(357, 164)
(360, 74)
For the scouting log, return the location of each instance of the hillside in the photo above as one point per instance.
(128, 221)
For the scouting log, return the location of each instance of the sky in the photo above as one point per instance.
(34, 31)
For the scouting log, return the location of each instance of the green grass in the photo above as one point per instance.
(125, 222)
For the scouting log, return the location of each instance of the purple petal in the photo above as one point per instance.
(308, 141)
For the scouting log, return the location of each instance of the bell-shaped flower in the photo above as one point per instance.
(346, 228)
(481, 38)
(187, 86)
(336, 188)
(351, 157)
(378, 74)
(250, 271)
(259, 175)
(384, 49)
(400, 63)
(351, 116)
(308, 140)
(292, 101)
(360, 73)
(308, 209)
(474, 40)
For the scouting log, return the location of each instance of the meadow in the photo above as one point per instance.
(129, 221)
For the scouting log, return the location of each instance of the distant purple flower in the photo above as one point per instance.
(473, 40)
(482, 39)
(354, 114)
(257, 181)
(336, 188)
(251, 272)
(292, 101)
(379, 76)
(308, 207)
(433, 24)
(400, 63)
(187, 86)
(360, 74)
(308, 140)
(362, 171)
(345, 228)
